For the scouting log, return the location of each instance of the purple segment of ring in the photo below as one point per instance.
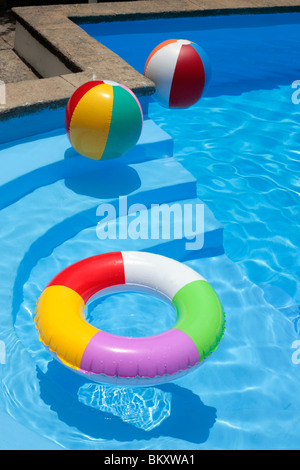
(151, 356)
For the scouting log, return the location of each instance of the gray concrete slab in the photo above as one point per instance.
(13, 69)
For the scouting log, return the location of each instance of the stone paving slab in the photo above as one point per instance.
(56, 28)
(13, 68)
(3, 45)
(34, 95)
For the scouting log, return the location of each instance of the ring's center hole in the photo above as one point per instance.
(131, 313)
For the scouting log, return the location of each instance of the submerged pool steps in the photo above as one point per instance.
(53, 159)
(153, 143)
(148, 175)
(161, 230)
(100, 183)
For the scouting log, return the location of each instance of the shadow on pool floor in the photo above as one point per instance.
(190, 420)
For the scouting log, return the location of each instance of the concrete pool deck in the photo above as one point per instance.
(12, 67)
(49, 39)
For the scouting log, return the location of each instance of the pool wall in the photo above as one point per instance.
(43, 119)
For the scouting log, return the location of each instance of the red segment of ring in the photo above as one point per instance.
(89, 276)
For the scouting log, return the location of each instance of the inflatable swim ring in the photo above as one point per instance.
(108, 358)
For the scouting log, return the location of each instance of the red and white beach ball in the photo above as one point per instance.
(181, 72)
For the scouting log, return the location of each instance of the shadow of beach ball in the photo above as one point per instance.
(103, 120)
(181, 72)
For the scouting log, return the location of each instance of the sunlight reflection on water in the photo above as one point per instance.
(145, 408)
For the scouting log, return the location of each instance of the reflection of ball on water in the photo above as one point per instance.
(181, 72)
(103, 120)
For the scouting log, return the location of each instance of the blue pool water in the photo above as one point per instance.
(237, 151)
(243, 139)
(246, 162)
(247, 52)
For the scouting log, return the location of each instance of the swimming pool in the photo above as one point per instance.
(246, 395)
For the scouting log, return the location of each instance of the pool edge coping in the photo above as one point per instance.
(80, 58)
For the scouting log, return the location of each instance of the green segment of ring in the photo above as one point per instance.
(200, 315)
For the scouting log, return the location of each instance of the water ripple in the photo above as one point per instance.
(244, 152)
(144, 408)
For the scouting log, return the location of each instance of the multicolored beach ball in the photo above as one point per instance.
(103, 120)
(181, 72)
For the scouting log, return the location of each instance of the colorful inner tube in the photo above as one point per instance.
(108, 358)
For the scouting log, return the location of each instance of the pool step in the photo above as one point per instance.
(182, 229)
(154, 181)
(30, 164)
(78, 200)
(54, 149)
(153, 143)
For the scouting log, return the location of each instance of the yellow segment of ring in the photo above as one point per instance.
(89, 128)
(61, 324)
